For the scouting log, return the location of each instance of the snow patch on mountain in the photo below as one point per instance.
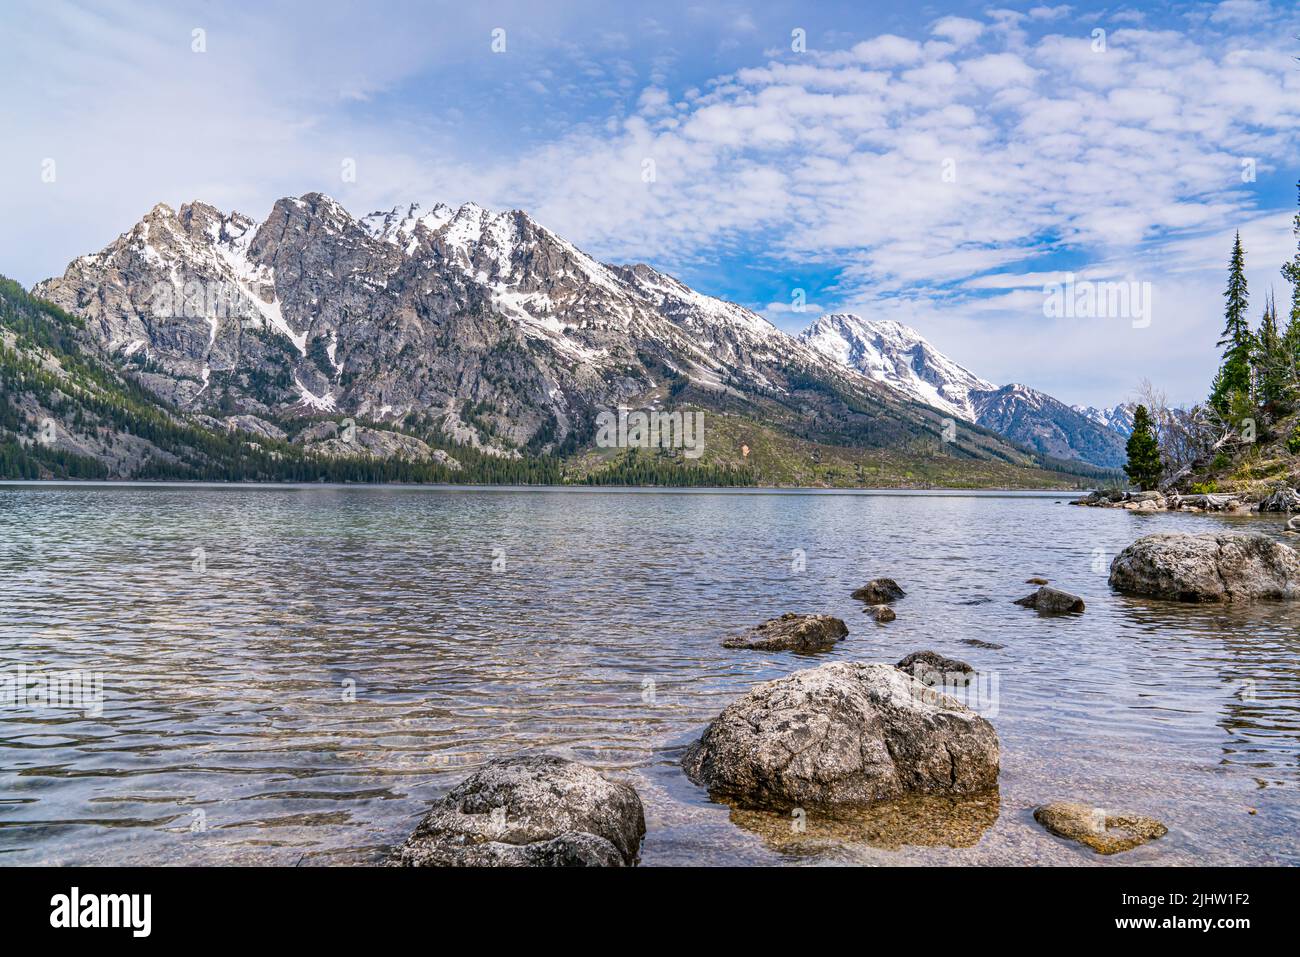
(1117, 417)
(900, 357)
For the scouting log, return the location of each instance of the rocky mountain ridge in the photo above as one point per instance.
(901, 358)
(473, 329)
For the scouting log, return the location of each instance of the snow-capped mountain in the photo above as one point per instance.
(1117, 417)
(481, 325)
(400, 312)
(1036, 419)
(900, 357)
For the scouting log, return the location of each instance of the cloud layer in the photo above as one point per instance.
(937, 175)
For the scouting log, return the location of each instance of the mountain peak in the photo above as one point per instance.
(898, 356)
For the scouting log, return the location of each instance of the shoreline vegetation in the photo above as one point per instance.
(1240, 449)
(1063, 492)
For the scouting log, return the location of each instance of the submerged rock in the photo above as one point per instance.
(1035, 581)
(1207, 567)
(917, 820)
(841, 735)
(529, 811)
(791, 632)
(931, 668)
(1091, 826)
(879, 591)
(1052, 601)
(977, 643)
(882, 613)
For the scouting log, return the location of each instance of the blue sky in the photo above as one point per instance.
(776, 169)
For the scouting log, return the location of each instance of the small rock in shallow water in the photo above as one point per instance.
(976, 643)
(840, 735)
(882, 613)
(879, 591)
(931, 668)
(1052, 601)
(1035, 581)
(791, 632)
(537, 810)
(1091, 826)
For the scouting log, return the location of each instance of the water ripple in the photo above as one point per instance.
(335, 658)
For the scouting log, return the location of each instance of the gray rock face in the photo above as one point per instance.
(931, 668)
(843, 734)
(327, 438)
(1207, 568)
(529, 811)
(1052, 601)
(256, 426)
(791, 632)
(879, 591)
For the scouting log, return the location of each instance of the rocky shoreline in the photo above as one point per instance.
(849, 750)
(1281, 500)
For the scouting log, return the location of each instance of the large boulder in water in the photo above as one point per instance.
(537, 810)
(844, 734)
(1207, 567)
(791, 632)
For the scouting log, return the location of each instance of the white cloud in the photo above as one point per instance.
(888, 50)
(932, 172)
(1242, 11)
(1050, 13)
(960, 30)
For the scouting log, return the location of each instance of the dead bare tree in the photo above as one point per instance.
(1187, 437)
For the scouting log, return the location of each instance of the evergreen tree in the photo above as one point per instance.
(1291, 271)
(1232, 384)
(1143, 467)
(1271, 364)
